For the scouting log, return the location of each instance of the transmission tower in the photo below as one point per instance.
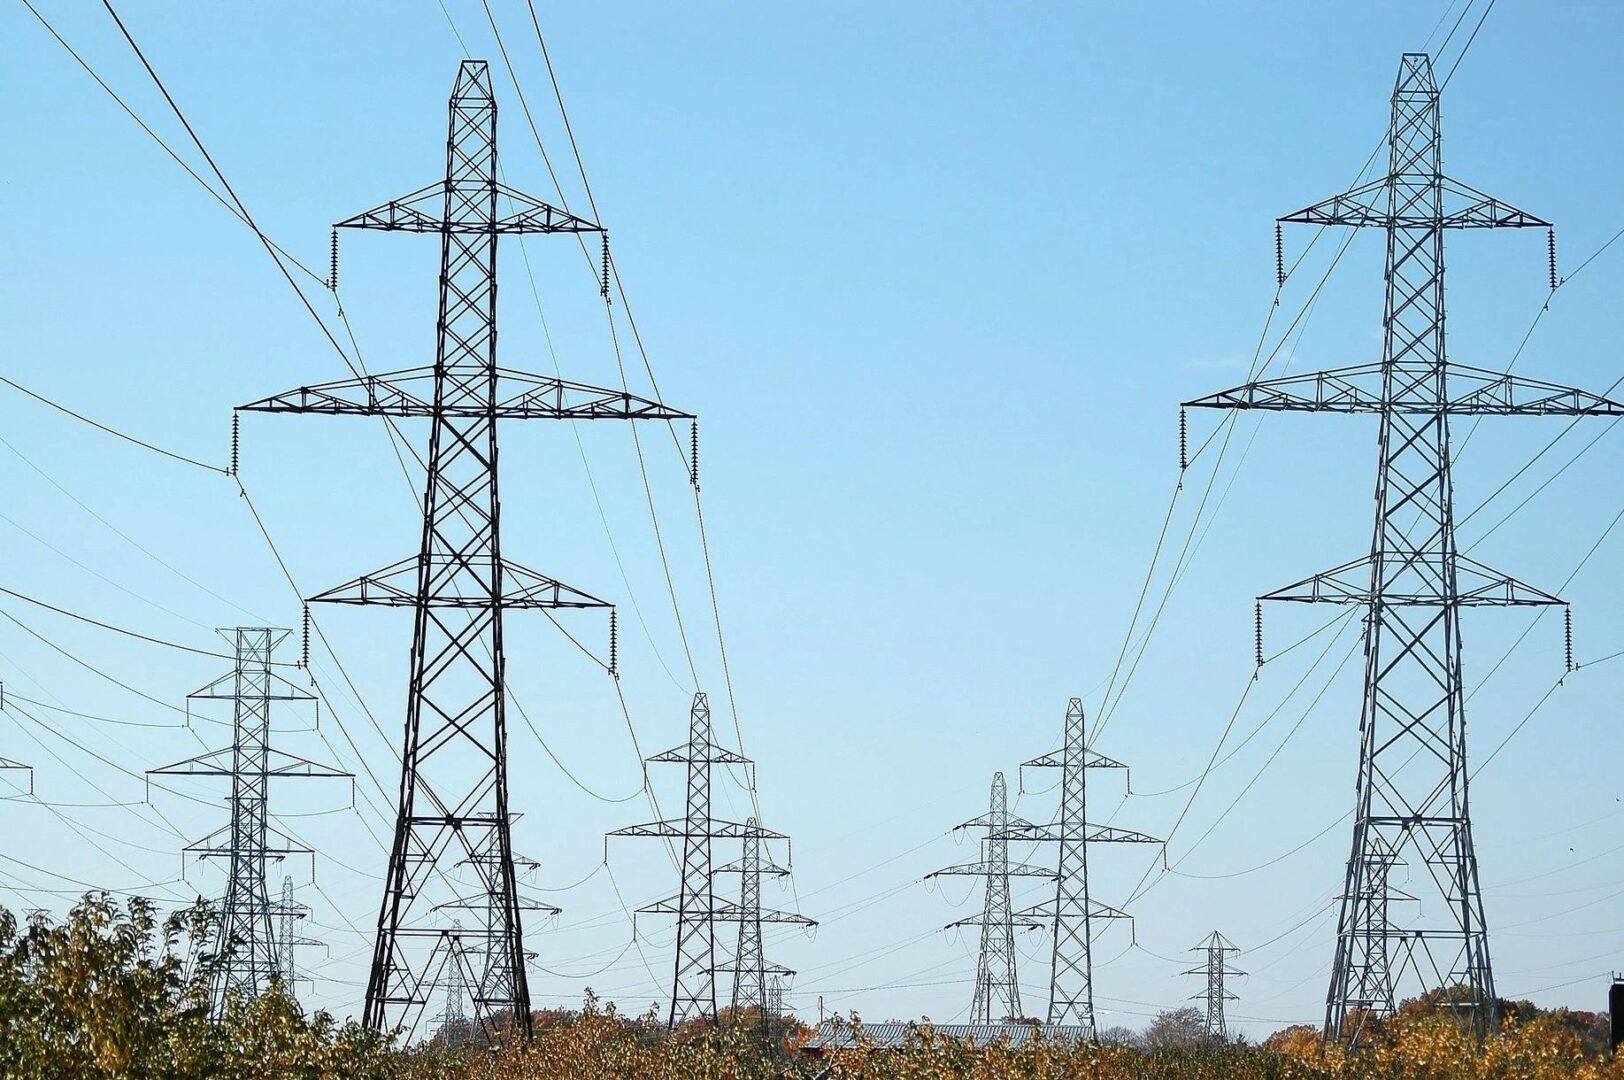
(247, 935)
(452, 1023)
(750, 968)
(998, 990)
(1216, 969)
(6, 764)
(454, 767)
(1412, 780)
(289, 913)
(696, 906)
(1071, 915)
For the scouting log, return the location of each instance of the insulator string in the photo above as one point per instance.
(332, 264)
(1550, 247)
(603, 287)
(236, 441)
(1258, 634)
(1184, 440)
(694, 453)
(304, 646)
(1567, 635)
(614, 645)
(1279, 256)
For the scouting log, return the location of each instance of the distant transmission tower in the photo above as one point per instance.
(454, 778)
(1071, 914)
(696, 906)
(998, 990)
(247, 935)
(1412, 780)
(6, 764)
(750, 968)
(453, 1028)
(289, 913)
(1216, 969)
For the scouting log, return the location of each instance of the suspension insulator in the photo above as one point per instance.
(236, 441)
(614, 645)
(1279, 256)
(332, 264)
(1550, 247)
(304, 647)
(693, 453)
(1567, 635)
(1184, 440)
(603, 287)
(1258, 631)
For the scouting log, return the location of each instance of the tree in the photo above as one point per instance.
(1176, 1029)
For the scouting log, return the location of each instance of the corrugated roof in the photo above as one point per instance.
(837, 1034)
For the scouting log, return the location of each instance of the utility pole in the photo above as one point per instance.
(998, 990)
(696, 906)
(1072, 913)
(454, 763)
(1216, 969)
(1411, 792)
(252, 957)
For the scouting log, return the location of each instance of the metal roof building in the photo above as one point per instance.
(840, 1035)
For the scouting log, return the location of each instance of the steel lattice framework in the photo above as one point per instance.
(1412, 780)
(749, 967)
(454, 777)
(289, 913)
(696, 906)
(253, 954)
(1071, 915)
(998, 990)
(1218, 950)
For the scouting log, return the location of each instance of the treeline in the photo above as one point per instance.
(114, 993)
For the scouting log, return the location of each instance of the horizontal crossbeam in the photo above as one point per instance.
(1470, 391)
(421, 210)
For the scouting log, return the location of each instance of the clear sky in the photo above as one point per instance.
(935, 277)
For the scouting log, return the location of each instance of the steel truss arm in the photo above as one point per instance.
(986, 869)
(519, 395)
(397, 585)
(1465, 207)
(1476, 585)
(422, 211)
(1358, 389)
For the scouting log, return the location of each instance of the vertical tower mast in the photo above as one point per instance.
(1411, 795)
(454, 775)
(1216, 969)
(1072, 913)
(252, 954)
(696, 906)
(998, 990)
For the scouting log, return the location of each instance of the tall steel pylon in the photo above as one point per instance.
(454, 761)
(749, 966)
(1071, 914)
(998, 990)
(1411, 793)
(248, 938)
(289, 914)
(696, 906)
(1216, 969)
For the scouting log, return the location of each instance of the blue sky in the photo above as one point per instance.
(935, 277)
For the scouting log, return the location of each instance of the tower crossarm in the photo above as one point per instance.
(1017, 920)
(457, 580)
(517, 395)
(986, 869)
(1370, 205)
(1056, 759)
(1045, 911)
(278, 764)
(424, 211)
(715, 755)
(1409, 579)
(718, 830)
(1411, 388)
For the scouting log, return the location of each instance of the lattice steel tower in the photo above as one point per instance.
(1411, 795)
(750, 967)
(254, 954)
(289, 914)
(998, 990)
(696, 906)
(1072, 913)
(454, 775)
(1216, 969)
